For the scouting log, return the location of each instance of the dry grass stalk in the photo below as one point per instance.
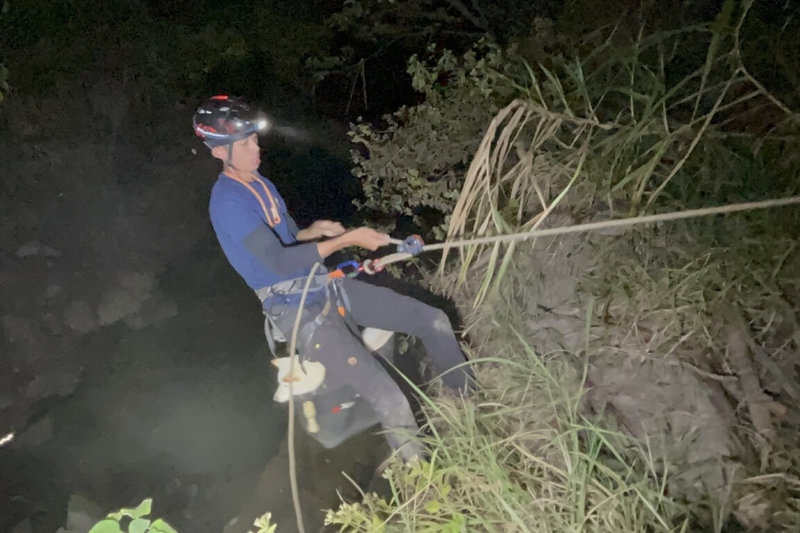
(758, 404)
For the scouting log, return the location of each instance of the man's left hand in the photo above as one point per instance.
(321, 228)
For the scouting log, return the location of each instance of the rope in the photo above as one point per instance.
(290, 438)
(381, 262)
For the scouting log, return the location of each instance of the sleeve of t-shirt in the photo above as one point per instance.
(292, 224)
(279, 258)
(244, 225)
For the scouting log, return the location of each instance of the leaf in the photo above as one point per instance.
(159, 526)
(264, 523)
(138, 525)
(433, 506)
(143, 509)
(377, 525)
(106, 526)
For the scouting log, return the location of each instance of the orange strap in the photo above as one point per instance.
(273, 214)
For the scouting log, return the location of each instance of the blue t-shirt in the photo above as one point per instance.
(261, 253)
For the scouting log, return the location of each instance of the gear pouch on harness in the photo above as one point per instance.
(330, 416)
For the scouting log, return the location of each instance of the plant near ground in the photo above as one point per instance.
(133, 520)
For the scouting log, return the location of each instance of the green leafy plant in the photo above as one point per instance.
(264, 524)
(134, 520)
(413, 165)
(614, 123)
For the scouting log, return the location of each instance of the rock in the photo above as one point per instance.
(53, 290)
(37, 434)
(156, 309)
(23, 527)
(19, 330)
(669, 407)
(82, 514)
(79, 317)
(53, 384)
(126, 298)
(9, 394)
(53, 324)
(35, 247)
(29, 248)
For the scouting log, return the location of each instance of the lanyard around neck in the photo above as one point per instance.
(273, 214)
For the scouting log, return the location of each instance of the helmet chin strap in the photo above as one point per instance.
(229, 160)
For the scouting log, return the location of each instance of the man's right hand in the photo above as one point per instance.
(362, 237)
(368, 238)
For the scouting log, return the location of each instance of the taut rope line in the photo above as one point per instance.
(591, 226)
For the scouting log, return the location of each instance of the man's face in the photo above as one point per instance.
(246, 154)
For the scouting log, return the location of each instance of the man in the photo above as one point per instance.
(274, 257)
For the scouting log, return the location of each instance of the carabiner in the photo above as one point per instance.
(354, 265)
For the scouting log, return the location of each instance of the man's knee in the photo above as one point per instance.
(440, 322)
(393, 408)
(435, 321)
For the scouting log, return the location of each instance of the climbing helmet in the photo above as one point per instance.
(224, 120)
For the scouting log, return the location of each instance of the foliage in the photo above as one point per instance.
(372, 39)
(519, 458)
(264, 524)
(133, 520)
(642, 118)
(626, 120)
(413, 166)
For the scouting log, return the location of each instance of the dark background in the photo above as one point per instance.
(102, 178)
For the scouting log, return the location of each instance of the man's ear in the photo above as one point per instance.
(220, 152)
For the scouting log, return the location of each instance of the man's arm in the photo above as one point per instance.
(268, 249)
(340, 238)
(363, 237)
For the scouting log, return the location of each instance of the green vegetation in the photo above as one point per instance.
(133, 520)
(136, 521)
(636, 381)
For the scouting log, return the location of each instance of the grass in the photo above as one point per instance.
(495, 467)
(609, 398)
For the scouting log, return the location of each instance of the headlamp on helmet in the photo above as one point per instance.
(224, 120)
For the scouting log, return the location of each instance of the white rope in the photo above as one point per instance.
(590, 226)
(290, 438)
